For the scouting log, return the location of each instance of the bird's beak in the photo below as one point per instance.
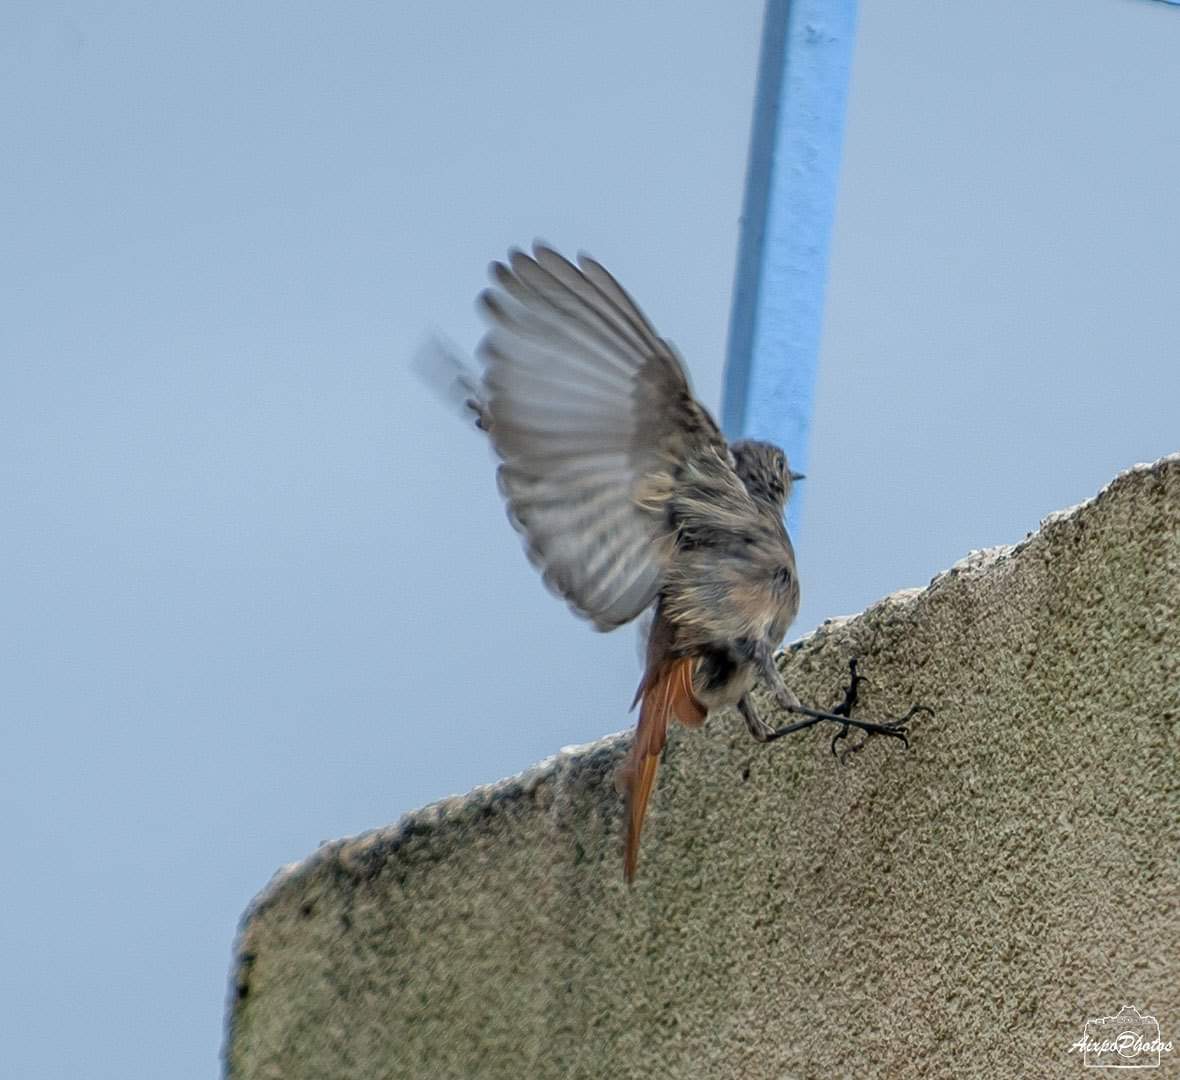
(798, 476)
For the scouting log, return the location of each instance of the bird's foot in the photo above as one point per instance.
(841, 714)
(898, 730)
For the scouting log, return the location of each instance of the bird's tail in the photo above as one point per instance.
(666, 691)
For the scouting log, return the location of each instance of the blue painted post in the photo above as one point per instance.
(791, 179)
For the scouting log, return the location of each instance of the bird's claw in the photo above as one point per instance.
(897, 729)
(842, 755)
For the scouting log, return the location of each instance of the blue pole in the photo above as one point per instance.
(791, 181)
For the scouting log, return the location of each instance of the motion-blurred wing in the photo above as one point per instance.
(591, 413)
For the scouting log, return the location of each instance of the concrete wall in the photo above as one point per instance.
(959, 910)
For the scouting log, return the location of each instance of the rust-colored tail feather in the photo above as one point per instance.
(666, 691)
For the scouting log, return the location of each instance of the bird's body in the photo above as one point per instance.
(628, 497)
(728, 593)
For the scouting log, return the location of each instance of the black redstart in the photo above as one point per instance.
(627, 496)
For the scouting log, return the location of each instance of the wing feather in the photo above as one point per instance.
(589, 411)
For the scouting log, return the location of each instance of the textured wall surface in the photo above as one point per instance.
(958, 910)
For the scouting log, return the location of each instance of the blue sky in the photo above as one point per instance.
(258, 590)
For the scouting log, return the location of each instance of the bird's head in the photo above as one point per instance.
(764, 469)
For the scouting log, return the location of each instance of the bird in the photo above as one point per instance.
(630, 499)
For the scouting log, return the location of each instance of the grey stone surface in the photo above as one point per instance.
(959, 910)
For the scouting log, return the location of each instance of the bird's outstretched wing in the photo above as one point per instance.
(592, 414)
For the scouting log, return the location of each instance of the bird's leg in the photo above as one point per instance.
(757, 727)
(790, 703)
(761, 730)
